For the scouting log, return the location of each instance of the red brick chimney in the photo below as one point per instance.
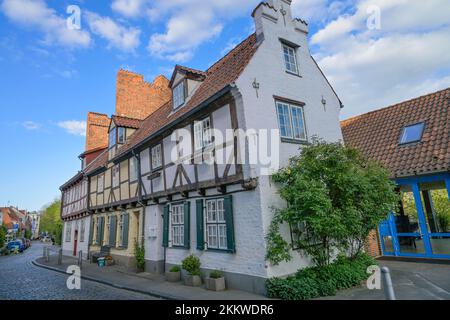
(97, 131)
(136, 98)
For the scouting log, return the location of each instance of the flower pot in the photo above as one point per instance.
(215, 284)
(193, 281)
(173, 276)
(109, 263)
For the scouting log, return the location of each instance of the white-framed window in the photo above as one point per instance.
(156, 155)
(290, 59)
(202, 134)
(177, 225)
(100, 183)
(133, 169)
(69, 231)
(178, 95)
(216, 226)
(291, 121)
(115, 175)
(82, 230)
(121, 135)
(108, 227)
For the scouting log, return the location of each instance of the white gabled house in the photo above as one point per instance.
(198, 190)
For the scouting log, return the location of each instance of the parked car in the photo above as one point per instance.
(25, 242)
(46, 239)
(15, 245)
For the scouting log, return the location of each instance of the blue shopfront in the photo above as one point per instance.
(421, 226)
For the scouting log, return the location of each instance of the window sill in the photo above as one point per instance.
(293, 74)
(294, 141)
(227, 251)
(179, 248)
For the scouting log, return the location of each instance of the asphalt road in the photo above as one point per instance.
(21, 280)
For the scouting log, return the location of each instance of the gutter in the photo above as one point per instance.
(180, 119)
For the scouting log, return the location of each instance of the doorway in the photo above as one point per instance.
(75, 243)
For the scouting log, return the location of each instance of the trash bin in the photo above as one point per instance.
(101, 262)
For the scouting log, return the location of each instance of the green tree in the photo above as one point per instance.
(3, 231)
(335, 198)
(51, 220)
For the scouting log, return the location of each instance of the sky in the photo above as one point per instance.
(374, 53)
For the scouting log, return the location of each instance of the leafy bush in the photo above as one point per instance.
(175, 269)
(192, 265)
(2, 236)
(335, 198)
(321, 281)
(139, 254)
(216, 274)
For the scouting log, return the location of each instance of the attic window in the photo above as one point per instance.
(412, 133)
(178, 95)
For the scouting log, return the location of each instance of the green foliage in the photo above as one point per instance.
(51, 221)
(315, 282)
(337, 195)
(216, 274)
(139, 254)
(27, 234)
(175, 269)
(192, 265)
(3, 232)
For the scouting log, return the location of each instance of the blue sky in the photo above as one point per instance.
(51, 76)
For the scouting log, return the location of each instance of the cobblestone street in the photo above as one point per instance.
(21, 280)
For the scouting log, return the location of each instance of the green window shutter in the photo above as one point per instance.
(228, 206)
(91, 231)
(200, 226)
(112, 232)
(166, 226)
(187, 225)
(126, 223)
(102, 228)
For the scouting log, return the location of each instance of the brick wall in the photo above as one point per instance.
(372, 246)
(97, 131)
(136, 98)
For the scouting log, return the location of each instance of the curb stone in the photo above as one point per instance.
(154, 294)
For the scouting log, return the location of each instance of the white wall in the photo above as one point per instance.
(82, 244)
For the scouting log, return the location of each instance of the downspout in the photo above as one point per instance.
(91, 224)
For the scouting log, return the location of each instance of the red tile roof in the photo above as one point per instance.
(377, 135)
(223, 73)
(126, 122)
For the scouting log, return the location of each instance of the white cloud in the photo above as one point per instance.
(190, 24)
(74, 127)
(35, 14)
(118, 36)
(31, 125)
(406, 58)
(128, 8)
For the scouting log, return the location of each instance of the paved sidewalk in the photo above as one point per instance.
(411, 280)
(154, 285)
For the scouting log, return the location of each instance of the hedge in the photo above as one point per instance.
(314, 282)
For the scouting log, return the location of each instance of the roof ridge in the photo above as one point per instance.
(238, 46)
(394, 105)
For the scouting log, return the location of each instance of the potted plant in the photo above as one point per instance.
(216, 281)
(192, 265)
(174, 274)
(109, 261)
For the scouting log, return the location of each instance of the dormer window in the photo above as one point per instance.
(112, 138)
(412, 133)
(179, 95)
(121, 135)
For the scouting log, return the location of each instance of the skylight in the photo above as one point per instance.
(412, 133)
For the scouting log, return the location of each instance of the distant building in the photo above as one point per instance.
(35, 220)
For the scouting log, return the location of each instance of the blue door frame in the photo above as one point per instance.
(388, 227)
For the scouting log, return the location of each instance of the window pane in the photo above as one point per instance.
(297, 122)
(178, 95)
(156, 157)
(412, 133)
(284, 120)
(112, 138)
(223, 237)
(121, 135)
(212, 236)
(289, 59)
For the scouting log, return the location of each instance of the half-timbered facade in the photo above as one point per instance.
(182, 184)
(75, 215)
